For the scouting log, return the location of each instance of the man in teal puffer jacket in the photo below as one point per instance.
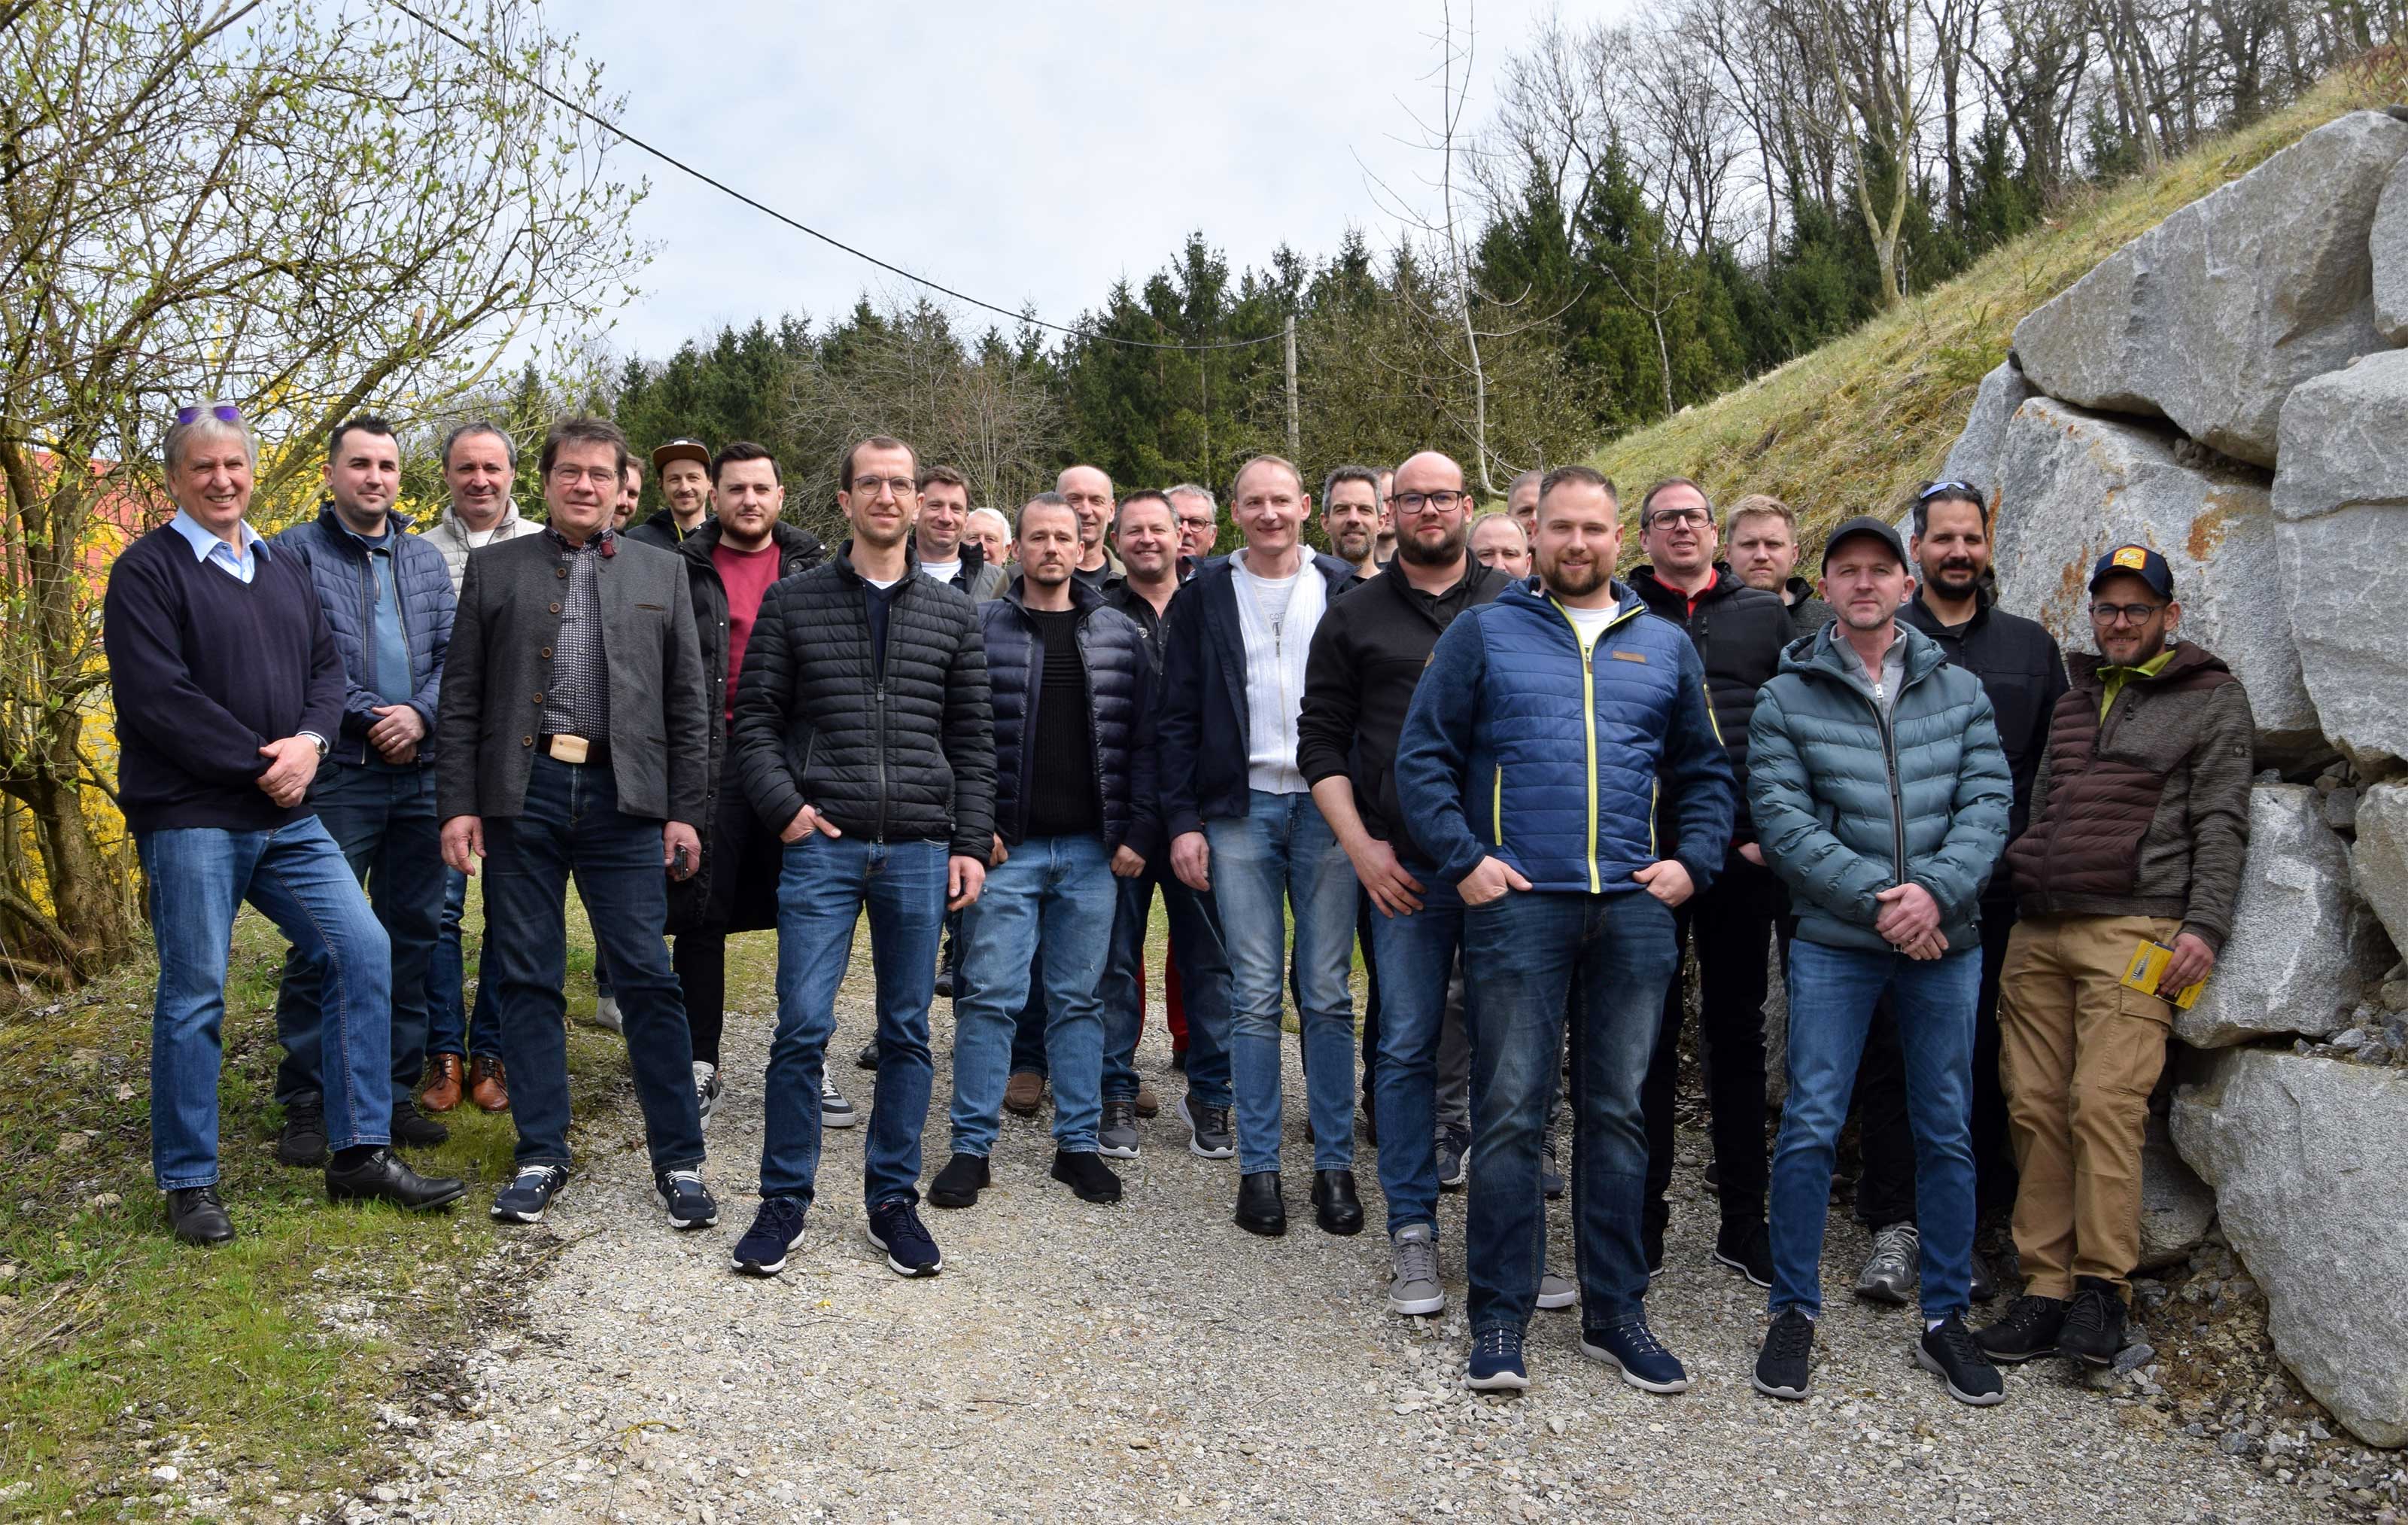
(1881, 797)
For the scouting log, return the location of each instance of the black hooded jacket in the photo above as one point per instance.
(1740, 632)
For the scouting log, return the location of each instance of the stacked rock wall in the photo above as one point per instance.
(2231, 389)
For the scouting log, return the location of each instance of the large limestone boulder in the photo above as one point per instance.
(2176, 1206)
(2304, 950)
(2389, 245)
(2379, 862)
(2341, 506)
(2212, 317)
(2074, 484)
(2307, 1157)
(1974, 457)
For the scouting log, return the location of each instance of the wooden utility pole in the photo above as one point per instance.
(1294, 435)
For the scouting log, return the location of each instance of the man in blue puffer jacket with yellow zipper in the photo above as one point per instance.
(1881, 796)
(1528, 770)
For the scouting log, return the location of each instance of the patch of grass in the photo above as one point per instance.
(254, 1370)
(1847, 427)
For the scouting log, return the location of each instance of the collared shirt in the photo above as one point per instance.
(239, 565)
(2116, 678)
(579, 701)
(388, 653)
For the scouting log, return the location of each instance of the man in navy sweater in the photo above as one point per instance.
(229, 688)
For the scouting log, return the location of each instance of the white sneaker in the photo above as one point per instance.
(707, 1088)
(835, 1111)
(606, 1014)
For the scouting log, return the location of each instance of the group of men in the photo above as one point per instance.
(1524, 786)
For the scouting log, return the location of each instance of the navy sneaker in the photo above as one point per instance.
(777, 1229)
(1633, 1349)
(529, 1193)
(1784, 1367)
(1454, 1153)
(1495, 1363)
(895, 1226)
(688, 1202)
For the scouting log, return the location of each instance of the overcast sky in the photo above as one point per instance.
(1021, 153)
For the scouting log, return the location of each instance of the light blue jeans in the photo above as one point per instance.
(1051, 903)
(1280, 860)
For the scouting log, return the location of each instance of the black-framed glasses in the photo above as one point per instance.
(1694, 518)
(1930, 489)
(901, 487)
(224, 412)
(1440, 501)
(2124, 613)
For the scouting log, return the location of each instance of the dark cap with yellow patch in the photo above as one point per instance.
(2135, 561)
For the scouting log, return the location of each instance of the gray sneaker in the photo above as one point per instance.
(1117, 1138)
(1412, 1282)
(1454, 1157)
(835, 1111)
(1208, 1134)
(606, 1014)
(1551, 1169)
(1891, 1271)
(1554, 1292)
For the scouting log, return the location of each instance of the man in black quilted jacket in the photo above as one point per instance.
(864, 739)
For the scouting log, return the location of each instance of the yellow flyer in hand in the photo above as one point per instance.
(2149, 961)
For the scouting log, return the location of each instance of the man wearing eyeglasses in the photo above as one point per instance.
(2140, 824)
(1199, 525)
(1739, 632)
(575, 740)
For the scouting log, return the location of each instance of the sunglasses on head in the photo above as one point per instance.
(224, 412)
(1933, 489)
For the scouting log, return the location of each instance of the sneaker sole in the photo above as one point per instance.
(765, 1268)
(684, 1225)
(899, 1267)
(1598, 1352)
(1202, 1151)
(513, 1215)
(846, 1119)
(1558, 1302)
(1417, 1307)
(1456, 1183)
(1882, 1292)
(1117, 1151)
(1501, 1382)
(1986, 1399)
(1753, 1279)
(2016, 1358)
(1100, 1199)
(1787, 1395)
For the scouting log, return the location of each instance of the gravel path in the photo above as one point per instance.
(1152, 1360)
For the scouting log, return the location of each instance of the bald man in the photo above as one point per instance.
(1089, 492)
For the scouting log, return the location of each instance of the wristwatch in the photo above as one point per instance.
(319, 740)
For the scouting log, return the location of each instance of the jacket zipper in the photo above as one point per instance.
(1588, 725)
(1889, 762)
(1095, 721)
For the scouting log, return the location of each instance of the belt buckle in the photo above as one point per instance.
(570, 749)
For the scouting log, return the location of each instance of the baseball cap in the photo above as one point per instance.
(680, 449)
(1864, 523)
(2136, 561)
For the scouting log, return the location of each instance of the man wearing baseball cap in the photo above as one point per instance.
(2139, 821)
(1880, 797)
(683, 466)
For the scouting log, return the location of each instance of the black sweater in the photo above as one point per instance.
(207, 671)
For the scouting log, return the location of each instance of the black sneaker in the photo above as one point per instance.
(1116, 1136)
(688, 1202)
(960, 1182)
(1745, 1246)
(1086, 1173)
(895, 1226)
(415, 1128)
(945, 983)
(2027, 1329)
(2094, 1325)
(1551, 1176)
(302, 1144)
(530, 1191)
(1651, 1245)
(1950, 1354)
(868, 1057)
(1782, 1367)
(777, 1229)
(1208, 1133)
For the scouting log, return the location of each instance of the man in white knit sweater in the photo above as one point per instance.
(1244, 827)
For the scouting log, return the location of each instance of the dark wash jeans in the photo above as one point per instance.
(1730, 927)
(294, 874)
(822, 891)
(571, 823)
(1520, 954)
(1204, 983)
(452, 1028)
(1831, 997)
(1416, 954)
(382, 819)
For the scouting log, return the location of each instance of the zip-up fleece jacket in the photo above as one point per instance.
(450, 536)
(339, 568)
(899, 753)
(1739, 633)
(2145, 811)
(1119, 687)
(1520, 746)
(1201, 736)
(1850, 800)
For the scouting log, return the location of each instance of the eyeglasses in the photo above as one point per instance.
(1438, 502)
(2124, 613)
(1930, 489)
(600, 476)
(1694, 518)
(901, 487)
(224, 412)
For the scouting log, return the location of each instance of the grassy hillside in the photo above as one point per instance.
(1848, 427)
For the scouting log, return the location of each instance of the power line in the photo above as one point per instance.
(833, 243)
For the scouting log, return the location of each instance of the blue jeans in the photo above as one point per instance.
(822, 891)
(1050, 901)
(1416, 955)
(383, 822)
(451, 1026)
(570, 823)
(199, 876)
(1280, 858)
(1831, 997)
(1524, 956)
(1203, 979)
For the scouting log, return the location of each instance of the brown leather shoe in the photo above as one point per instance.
(488, 1087)
(443, 1084)
(1023, 1092)
(1147, 1102)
